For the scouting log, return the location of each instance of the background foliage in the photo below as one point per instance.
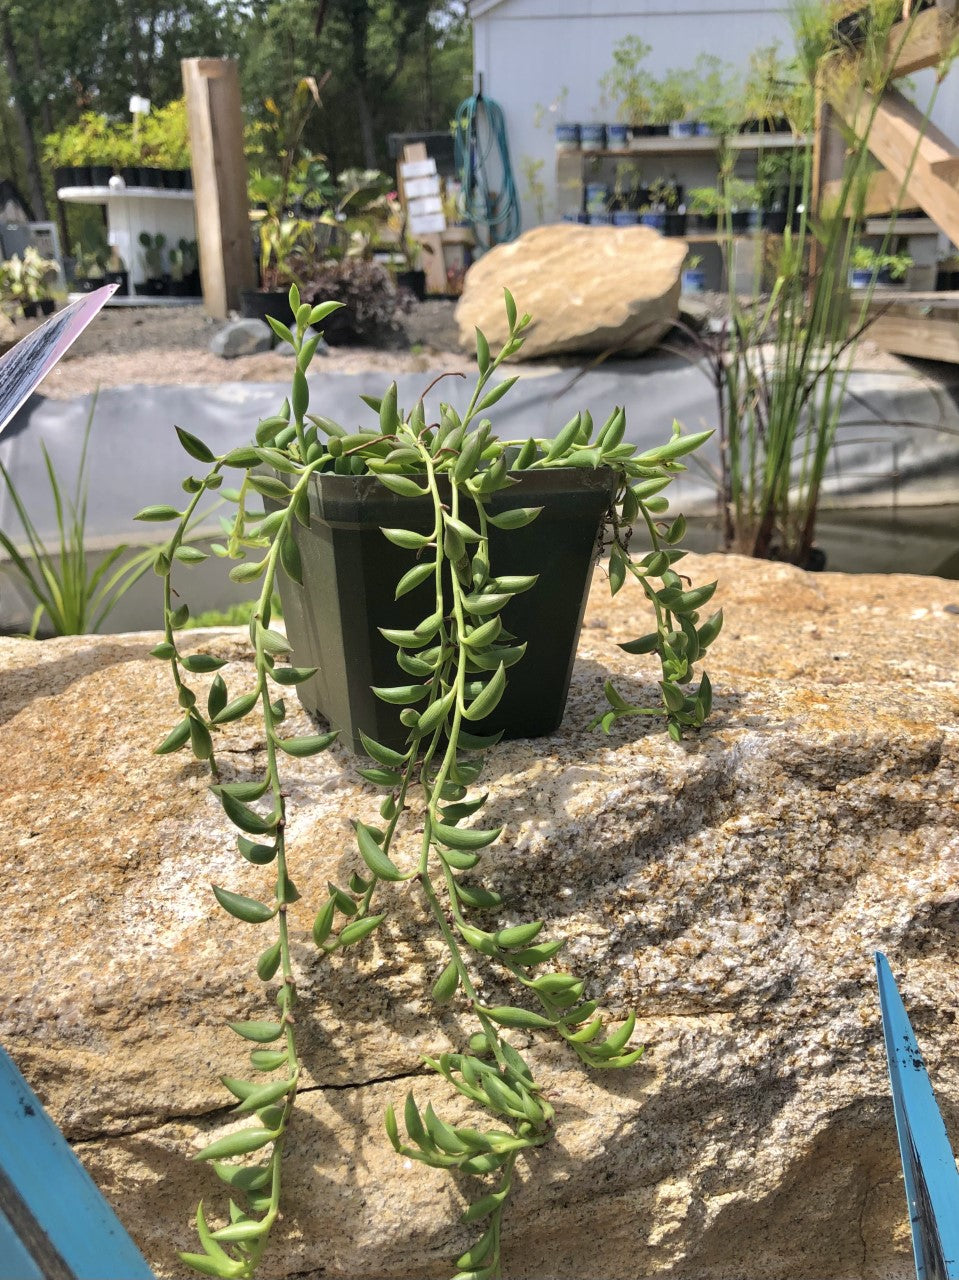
(395, 66)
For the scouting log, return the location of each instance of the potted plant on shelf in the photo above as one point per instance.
(184, 275)
(631, 90)
(672, 101)
(463, 507)
(92, 255)
(869, 267)
(157, 281)
(27, 282)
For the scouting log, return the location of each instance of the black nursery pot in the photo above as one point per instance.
(100, 174)
(257, 304)
(414, 282)
(350, 572)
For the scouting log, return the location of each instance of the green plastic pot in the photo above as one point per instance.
(350, 572)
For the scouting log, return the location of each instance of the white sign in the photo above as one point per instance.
(428, 224)
(417, 169)
(25, 366)
(426, 204)
(421, 187)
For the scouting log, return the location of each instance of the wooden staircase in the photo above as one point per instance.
(920, 171)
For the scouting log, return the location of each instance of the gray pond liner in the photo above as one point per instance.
(135, 459)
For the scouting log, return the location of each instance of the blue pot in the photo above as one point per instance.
(575, 217)
(600, 219)
(683, 129)
(567, 136)
(597, 195)
(625, 218)
(693, 280)
(617, 135)
(861, 278)
(655, 220)
(703, 130)
(592, 137)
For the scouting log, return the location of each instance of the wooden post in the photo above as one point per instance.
(215, 119)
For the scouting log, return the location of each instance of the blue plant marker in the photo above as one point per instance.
(54, 1223)
(928, 1166)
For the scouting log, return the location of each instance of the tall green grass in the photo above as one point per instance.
(73, 599)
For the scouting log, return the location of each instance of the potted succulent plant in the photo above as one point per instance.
(459, 501)
(157, 281)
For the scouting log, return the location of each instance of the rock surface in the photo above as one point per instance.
(241, 338)
(731, 889)
(8, 333)
(588, 289)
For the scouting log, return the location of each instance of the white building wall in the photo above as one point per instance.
(529, 51)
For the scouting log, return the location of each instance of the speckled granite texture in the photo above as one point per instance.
(731, 889)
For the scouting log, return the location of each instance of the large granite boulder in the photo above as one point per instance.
(732, 889)
(588, 289)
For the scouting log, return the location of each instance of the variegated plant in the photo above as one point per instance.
(454, 669)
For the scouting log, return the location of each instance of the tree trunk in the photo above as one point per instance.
(366, 128)
(21, 114)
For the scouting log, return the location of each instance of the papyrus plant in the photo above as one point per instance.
(451, 672)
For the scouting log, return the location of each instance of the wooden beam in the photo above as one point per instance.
(883, 195)
(934, 337)
(920, 41)
(215, 120)
(907, 146)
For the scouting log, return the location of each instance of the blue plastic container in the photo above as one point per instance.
(567, 137)
(592, 137)
(655, 220)
(683, 129)
(597, 196)
(693, 280)
(617, 136)
(600, 219)
(625, 218)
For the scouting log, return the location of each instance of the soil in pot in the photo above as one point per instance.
(351, 571)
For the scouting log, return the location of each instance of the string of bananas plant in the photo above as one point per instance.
(453, 668)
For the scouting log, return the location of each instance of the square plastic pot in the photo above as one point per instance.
(350, 572)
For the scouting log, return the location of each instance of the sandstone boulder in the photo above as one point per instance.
(588, 289)
(731, 889)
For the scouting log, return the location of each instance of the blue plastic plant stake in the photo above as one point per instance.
(928, 1166)
(54, 1223)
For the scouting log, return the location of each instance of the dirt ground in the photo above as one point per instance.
(163, 345)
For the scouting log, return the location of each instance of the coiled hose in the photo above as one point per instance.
(490, 199)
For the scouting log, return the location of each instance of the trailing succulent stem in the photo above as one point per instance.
(453, 664)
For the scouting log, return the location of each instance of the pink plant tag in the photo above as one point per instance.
(24, 366)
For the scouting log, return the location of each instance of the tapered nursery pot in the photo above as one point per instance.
(350, 572)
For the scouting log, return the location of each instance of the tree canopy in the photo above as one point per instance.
(394, 66)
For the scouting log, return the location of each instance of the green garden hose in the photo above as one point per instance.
(490, 199)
